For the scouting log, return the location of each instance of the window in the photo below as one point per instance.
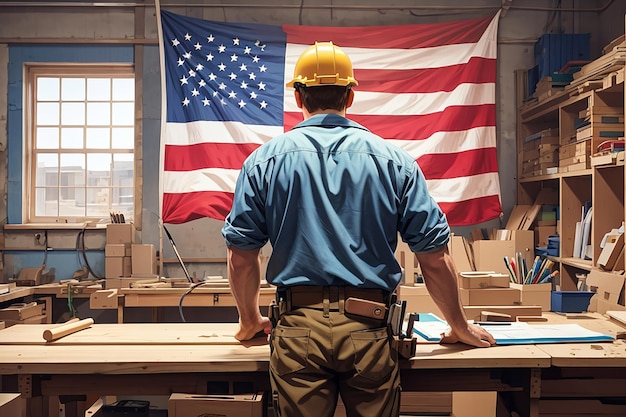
(80, 155)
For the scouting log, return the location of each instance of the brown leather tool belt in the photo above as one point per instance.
(367, 302)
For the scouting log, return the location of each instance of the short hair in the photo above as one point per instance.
(328, 97)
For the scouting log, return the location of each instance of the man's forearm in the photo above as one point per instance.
(244, 277)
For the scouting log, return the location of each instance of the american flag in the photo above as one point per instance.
(428, 88)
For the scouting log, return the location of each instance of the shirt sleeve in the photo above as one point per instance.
(422, 224)
(245, 226)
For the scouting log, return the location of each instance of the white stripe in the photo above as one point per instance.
(450, 142)
(369, 103)
(403, 59)
(452, 190)
(218, 132)
(210, 179)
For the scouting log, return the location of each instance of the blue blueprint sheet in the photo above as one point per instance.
(430, 328)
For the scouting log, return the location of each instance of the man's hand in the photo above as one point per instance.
(249, 331)
(473, 335)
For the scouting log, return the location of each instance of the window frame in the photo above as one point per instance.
(80, 70)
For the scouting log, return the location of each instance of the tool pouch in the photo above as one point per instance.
(365, 308)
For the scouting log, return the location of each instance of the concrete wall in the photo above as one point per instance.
(519, 28)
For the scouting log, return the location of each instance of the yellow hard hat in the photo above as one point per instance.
(323, 64)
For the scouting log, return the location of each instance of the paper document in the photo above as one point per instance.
(431, 327)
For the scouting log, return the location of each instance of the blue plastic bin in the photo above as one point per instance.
(570, 301)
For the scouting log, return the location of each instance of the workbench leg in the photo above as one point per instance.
(120, 309)
(523, 403)
(73, 405)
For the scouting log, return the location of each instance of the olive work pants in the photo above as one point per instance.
(316, 358)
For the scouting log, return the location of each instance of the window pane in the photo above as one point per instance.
(73, 164)
(46, 172)
(73, 114)
(98, 114)
(98, 138)
(72, 138)
(95, 206)
(47, 202)
(123, 169)
(72, 202)
(98, 170)
(123, 138)
(123, 114)
(99, 89)
(73, 89)
(124, 89)
(47, 138)
(48, 89)
(47, 114)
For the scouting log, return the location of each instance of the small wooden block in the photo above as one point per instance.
(494, 316)
(532, 318)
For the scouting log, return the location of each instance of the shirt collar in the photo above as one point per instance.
(329, 120)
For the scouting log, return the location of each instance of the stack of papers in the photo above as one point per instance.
(431, 327)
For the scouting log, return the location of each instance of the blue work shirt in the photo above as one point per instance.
(331, 198)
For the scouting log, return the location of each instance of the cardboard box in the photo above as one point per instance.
(542, 233)
(489, 254)
(117, 249)
(11, 404)
(195, 405)
(608, 286)
(418, 300)
(143, 258)
(116, 266)
(613, 246)
(474, 312)
(535, 294)
(483, 279)
(408, 262)
(121, 233)
(490, 296)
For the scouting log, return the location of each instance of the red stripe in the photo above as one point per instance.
(402, 36)
(430, 80)
(206, 155)
(184, 207)
(452, 119)
(474, 211)
(460, 164)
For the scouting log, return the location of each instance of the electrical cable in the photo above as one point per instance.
(81, 251)
(185, 294)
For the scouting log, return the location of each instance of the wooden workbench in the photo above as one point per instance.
(158, 359)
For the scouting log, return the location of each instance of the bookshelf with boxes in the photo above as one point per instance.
(587, 117)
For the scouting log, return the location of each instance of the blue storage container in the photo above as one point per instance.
(570, 301)
(553, 51)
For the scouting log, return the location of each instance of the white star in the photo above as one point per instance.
(186, 102)
(180, 61)
(262, 68)
(222, 86)
(244, 85)
(212, 77)
(247, 50)
(223, 101)
(252, 76)
(253, 95)
(233, 58)
(263, 104)
(187, 37)
(183, 80)
(255, 59)
(197, 46)
(195, 92)
(232, 94)
(221, 49)
(209, 57)
(192, 73)
(175, 42)
(233, 76)
(187, 55)
(257, 43)
(241, 104)
(202, 83)
(263, 47)
(206, 102)
(236, 41)
(214, 93)
(210, 38)
(221, 66)
(243, 67)
(199, 67)
(261, 86)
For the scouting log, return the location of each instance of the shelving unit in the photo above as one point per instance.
(577, 181)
